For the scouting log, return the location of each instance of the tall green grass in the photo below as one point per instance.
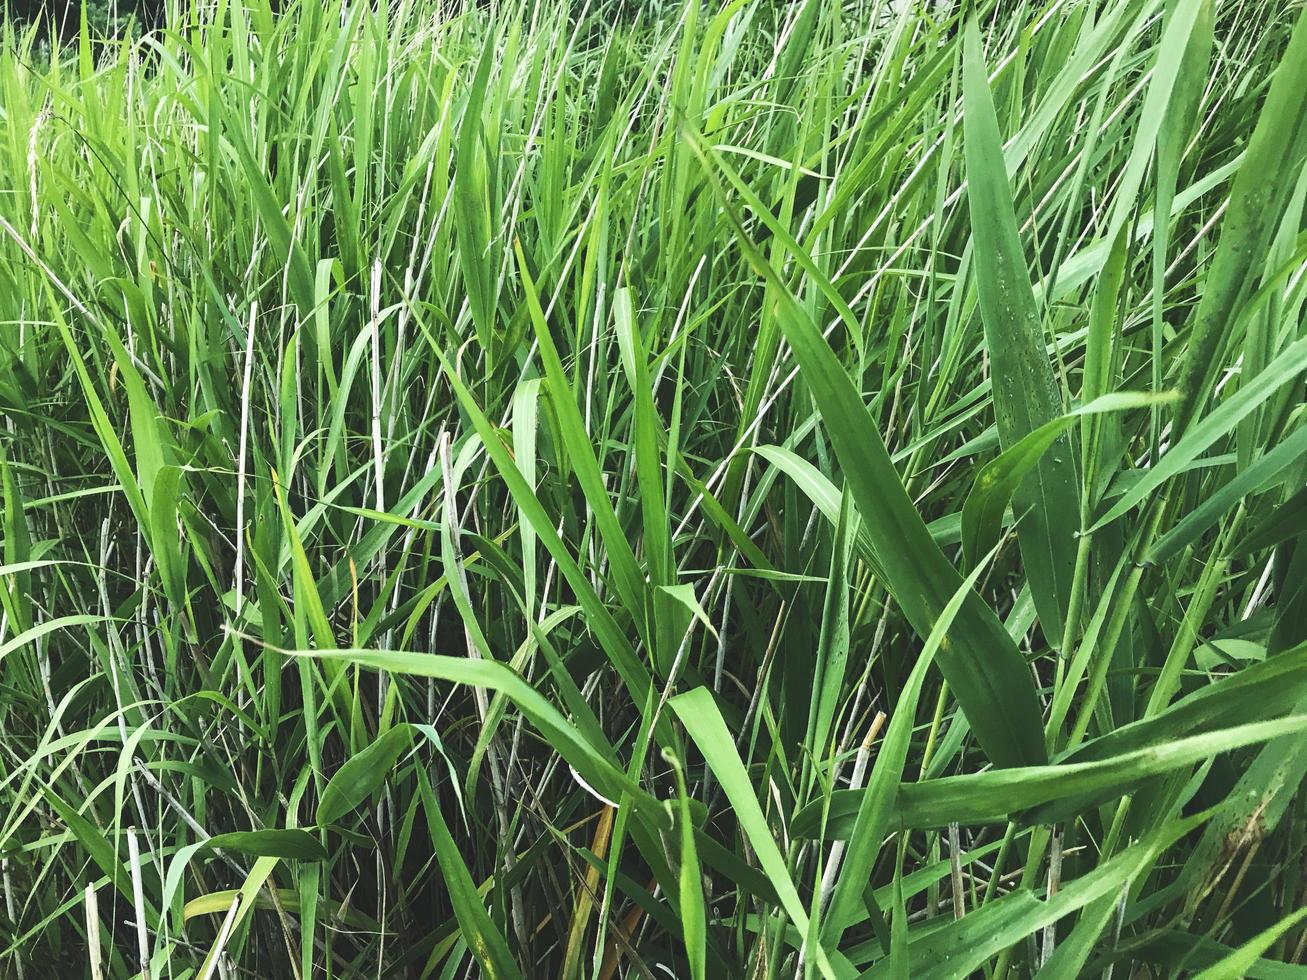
(616, 490)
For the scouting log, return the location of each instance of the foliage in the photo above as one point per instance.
(104, 18)
(758, 489)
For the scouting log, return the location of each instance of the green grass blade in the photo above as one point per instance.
(1026, 394)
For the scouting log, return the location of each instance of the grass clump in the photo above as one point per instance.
(595, 489)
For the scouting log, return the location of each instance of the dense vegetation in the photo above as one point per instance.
(63, 18)
(561, 489)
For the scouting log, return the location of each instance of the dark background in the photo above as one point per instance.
(103, 16)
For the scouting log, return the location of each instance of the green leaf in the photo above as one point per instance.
(825, 496)
(472, 207)
(288, 900)
(633, 673)
(290, 253)
(698, 713)
(998, 481)
(17, 548)
(479, 931)
(694, 915)
(98, 848)
(962, 946)
(1263, 690)
(44, 629)
(1258, 196)
(1286, 521)
(1026, 395)
(1222, 420)
(164, 542)
(1241, 961)
(245, 902)
(886, 776)
(605, 777)
(983, 667)
(1249, 480)
(993, 797)
(306, 589)
(297, 844)
(362, 774)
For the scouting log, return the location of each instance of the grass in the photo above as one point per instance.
(635, 490)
